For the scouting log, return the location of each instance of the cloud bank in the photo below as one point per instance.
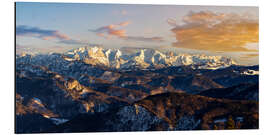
(216, 32)
(44, 34)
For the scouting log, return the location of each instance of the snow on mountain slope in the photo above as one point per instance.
(250, 72)
(144, 58)
(139, 59)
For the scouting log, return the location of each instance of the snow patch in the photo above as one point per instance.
(58, 121)
(250, 72)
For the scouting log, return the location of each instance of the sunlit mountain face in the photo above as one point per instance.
(110, 67)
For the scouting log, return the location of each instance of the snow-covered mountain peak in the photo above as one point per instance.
(144, 58)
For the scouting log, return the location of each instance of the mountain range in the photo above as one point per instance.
(93, 89)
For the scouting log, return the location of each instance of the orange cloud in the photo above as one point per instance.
(216, 32)
(48, 38)
(118, 33)
(203, 17)
(62, 36)
(124, 23)
(247, 56)
(172, 22)
(100, 34)
(111, 26)
(110, 30)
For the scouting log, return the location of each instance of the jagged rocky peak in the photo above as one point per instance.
(147, 58)
(96, 52)
(140, 58)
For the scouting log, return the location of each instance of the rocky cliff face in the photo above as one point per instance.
(134, 118)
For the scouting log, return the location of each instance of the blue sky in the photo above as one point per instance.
(178, 28)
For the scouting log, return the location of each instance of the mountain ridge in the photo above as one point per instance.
(144, 58)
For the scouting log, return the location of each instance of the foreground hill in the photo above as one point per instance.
(170, 111)
(245, 91)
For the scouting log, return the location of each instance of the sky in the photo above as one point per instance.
(211, 30)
